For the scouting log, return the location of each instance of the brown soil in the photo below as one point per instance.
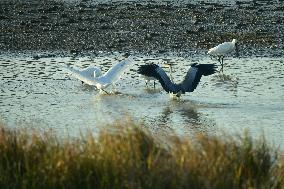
(146, 28)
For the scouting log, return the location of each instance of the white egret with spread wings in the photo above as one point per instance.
(93, 75)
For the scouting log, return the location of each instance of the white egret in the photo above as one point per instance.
(223, 49)
(190, 82)
(93, 75)
(89, 72)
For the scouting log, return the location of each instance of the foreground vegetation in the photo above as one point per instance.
(130, 157)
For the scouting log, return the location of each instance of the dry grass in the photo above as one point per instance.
(130, 157)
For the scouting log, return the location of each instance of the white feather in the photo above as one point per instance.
(223, 49)
(92, 76)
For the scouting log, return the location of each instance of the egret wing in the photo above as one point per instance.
(222, 49)
(81, 76)
(91, 71)
(114, 73)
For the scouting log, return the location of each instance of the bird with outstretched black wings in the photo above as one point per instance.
(190, 82)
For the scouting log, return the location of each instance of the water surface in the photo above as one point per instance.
(40, 93)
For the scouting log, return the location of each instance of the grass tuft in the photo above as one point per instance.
(127, 156)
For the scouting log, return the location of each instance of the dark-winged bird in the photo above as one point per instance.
(190, 82)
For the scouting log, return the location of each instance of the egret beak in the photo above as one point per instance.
(237, 50)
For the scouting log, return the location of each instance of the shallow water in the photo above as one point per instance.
(40, 93)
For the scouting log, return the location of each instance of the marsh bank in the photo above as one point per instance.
(143, 27)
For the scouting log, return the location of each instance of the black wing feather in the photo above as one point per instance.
(153, 70)
(148, 70)
(190, 81)
(194, 74)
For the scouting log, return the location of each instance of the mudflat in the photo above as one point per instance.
(50, 25)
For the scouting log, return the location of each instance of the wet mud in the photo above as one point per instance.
(47, 25)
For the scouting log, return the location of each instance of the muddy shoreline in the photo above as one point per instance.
(46, 25)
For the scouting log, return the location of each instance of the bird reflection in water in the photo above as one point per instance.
(190, 120)
(227, 82)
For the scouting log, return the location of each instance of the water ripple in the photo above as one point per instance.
(249, 94)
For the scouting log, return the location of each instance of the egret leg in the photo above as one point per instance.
(146, 83)
(154, 85)
(105, 91)
(113, 89)
(221, 61)
(222, 64)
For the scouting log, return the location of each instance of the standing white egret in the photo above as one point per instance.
(190, 82)
(223, 49)
(94, 76)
